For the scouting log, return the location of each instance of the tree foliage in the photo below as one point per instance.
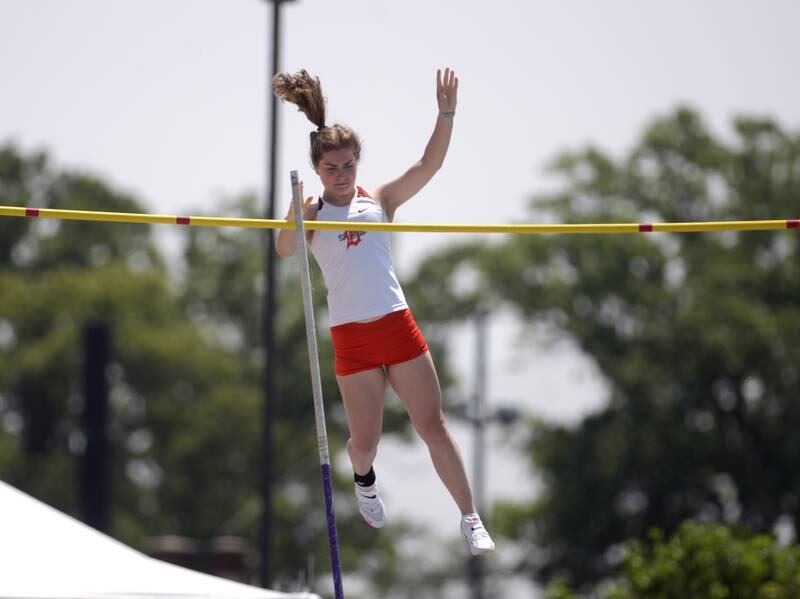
(701, 561)
(696, 335)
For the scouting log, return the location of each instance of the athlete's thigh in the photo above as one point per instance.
(417, 386)
(362, 395)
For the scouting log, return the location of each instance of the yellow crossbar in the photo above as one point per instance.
(262, 223)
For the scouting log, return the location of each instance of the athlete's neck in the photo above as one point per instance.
(338, 199)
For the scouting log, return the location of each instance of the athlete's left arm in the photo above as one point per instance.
(396, 192)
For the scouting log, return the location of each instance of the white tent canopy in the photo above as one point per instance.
(45, 554)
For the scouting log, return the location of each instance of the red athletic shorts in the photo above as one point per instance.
(391, 339)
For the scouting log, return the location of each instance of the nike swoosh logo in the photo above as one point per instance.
(370, 496)
(362, 210)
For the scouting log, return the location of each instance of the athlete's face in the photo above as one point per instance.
(337, 171)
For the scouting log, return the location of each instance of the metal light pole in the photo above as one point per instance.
(479, 417)
(268, 313)
(479, 423)
(479, 402)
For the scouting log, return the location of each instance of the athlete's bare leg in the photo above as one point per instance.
(362, 395)
(417, 385)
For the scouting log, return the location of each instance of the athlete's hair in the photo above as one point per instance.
(305, 92)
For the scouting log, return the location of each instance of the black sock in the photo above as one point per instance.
(365, 480)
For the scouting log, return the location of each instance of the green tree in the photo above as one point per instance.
(32, 244)
(696, 336)
(169, 389)
(169, 395)
(701, 561)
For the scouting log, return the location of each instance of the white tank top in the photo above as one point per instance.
(357, 265)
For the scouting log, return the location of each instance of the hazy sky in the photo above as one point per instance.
(167, 99)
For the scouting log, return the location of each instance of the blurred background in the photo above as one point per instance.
(625, 403)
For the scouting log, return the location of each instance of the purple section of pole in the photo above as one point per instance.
(333, 539)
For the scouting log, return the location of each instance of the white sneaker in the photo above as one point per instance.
(478, 539)
(370, 505)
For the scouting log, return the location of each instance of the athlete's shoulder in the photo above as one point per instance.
(363, 197)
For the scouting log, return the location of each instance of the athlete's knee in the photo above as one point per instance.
(364, 448)
(433, 429)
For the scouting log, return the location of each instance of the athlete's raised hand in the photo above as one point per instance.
(396, 192)
(446, 90)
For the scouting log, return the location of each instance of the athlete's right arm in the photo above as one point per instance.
(286, 240)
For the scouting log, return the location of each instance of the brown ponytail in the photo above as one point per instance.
(305, 92)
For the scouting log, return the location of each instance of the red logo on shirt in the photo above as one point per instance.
(353, 238)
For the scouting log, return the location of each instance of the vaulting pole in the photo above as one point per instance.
(316, 386)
